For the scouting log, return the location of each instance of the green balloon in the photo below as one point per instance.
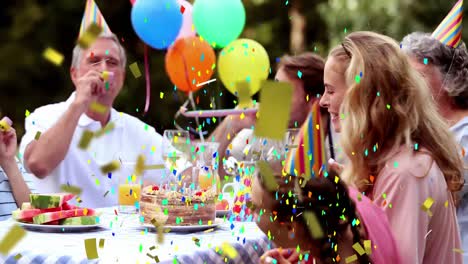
(219, 21)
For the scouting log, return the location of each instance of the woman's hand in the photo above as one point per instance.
(282, 256)
(337, 167)
(7, 146)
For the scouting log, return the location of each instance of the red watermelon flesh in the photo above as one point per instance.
(53, 216)
(67, 206)
(27, 215)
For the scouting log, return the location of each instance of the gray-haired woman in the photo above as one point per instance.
(446, 72)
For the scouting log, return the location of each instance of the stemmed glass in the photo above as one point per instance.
(176, 149)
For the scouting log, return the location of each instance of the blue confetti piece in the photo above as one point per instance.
(202, 57)
(243, 241)
(113, 234)
(425, 61)
(131, 191)
(109, 175)
(278, 59)
(299, 74)
(174, 172)
(294, 210)
(238, 178)
(208, 121)
(172, 242)
(137, 205)
(232, 226)
(238, 238)
(215, 154)
(360, 74)
(183, 199)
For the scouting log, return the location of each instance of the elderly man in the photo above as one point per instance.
(445, 69)
(55, 158)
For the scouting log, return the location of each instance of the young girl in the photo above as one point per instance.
(345, 226)
(401, 152)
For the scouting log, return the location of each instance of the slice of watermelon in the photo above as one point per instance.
(26, 206)
(67, 206)
(27, 215)
(52, 216)
(81, 220)
(45, 201)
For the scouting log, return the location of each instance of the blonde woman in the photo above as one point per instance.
(401, 152)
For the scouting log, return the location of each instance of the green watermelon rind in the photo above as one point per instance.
(80, 220)
(41, 201)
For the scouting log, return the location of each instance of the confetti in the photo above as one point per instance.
(299, 74)
(98, 108)
(351, 258)
(426, 206)
(458, 250)
(101, 243)
(108, 128)
(38, 135)
(313, 224)
(161, 95)
(135, 70)
(425, 61)
(155, 167)
(110, 167)
(106, 193)
(106, 75)
(368, 247)
(53, 56)
(27, 113)
(267, 175)
(86, 138)
(71, 189)
(89, 36)
(91, 250)
(229, 250)
(11, 238)
(182, 9)
(18, 256)
(359, 249)
(274, 112)
(207, 82)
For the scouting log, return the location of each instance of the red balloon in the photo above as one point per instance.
(189, 62)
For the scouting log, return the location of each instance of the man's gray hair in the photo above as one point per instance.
(452, 63)
(77, 51)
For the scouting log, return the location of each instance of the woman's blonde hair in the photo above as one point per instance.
(387, 105)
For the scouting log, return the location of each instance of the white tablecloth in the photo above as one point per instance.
(126, 243)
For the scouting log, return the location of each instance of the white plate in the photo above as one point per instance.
(59, 228)
(219, 112)
(186, 229)
(222, 213)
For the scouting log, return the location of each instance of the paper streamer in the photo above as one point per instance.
(135, 70)
(110, 167)
(11, 238)
(91, 250)
(86, 138)
(313, 224)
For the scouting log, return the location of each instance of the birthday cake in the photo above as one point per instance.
(159, 206)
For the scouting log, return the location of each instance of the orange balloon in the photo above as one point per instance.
(189, 62)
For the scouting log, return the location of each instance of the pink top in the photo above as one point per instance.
(384, 248)
(401, 188)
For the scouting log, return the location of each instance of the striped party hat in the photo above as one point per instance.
(308, 159)
(93, 15)
(449, 32)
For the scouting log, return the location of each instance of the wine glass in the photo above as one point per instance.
(176, 148)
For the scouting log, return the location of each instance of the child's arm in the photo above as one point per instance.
(8, 146)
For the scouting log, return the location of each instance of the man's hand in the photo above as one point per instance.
(282, 256)
(88, 88)
(7, 146)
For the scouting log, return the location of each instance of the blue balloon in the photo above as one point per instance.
(157, 22)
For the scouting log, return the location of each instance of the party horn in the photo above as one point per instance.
(5, 124)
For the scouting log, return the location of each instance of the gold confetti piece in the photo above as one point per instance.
(243, 93)
(446, 204)
(161, 95)
(14, 235)
(18, 256)
(152, 248)
(273, 111)
(140, 165)
(71, 189)
(195, 239)
(160, 234)
(101, 243)
(38, 135)
(98, 108)
(91, 250)
(368, 247)
(458, 250)
(105, 75)
(110, 167)
(53, 56)
(135, 70)
(155, 167)
(312, 222)
(267, 174)
(229, 250)
(89, 36)
(109, 127)
(428, 203)
(359, 249)
(208, 230)
(351, 258)
(156, 258)
(27, 113)
(86, 138)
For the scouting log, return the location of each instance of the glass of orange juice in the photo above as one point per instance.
(129, 184)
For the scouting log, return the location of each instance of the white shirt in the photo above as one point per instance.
(81, 168)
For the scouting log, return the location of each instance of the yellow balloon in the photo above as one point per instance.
(243, 60)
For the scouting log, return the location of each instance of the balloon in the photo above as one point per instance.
(190, 61)
(187, 20)
(132, 1)
(219, 21)
(243, 60)
(157, 23)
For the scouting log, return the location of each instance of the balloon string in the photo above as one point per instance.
(148, 82)
(178, 113)
(200, 132)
